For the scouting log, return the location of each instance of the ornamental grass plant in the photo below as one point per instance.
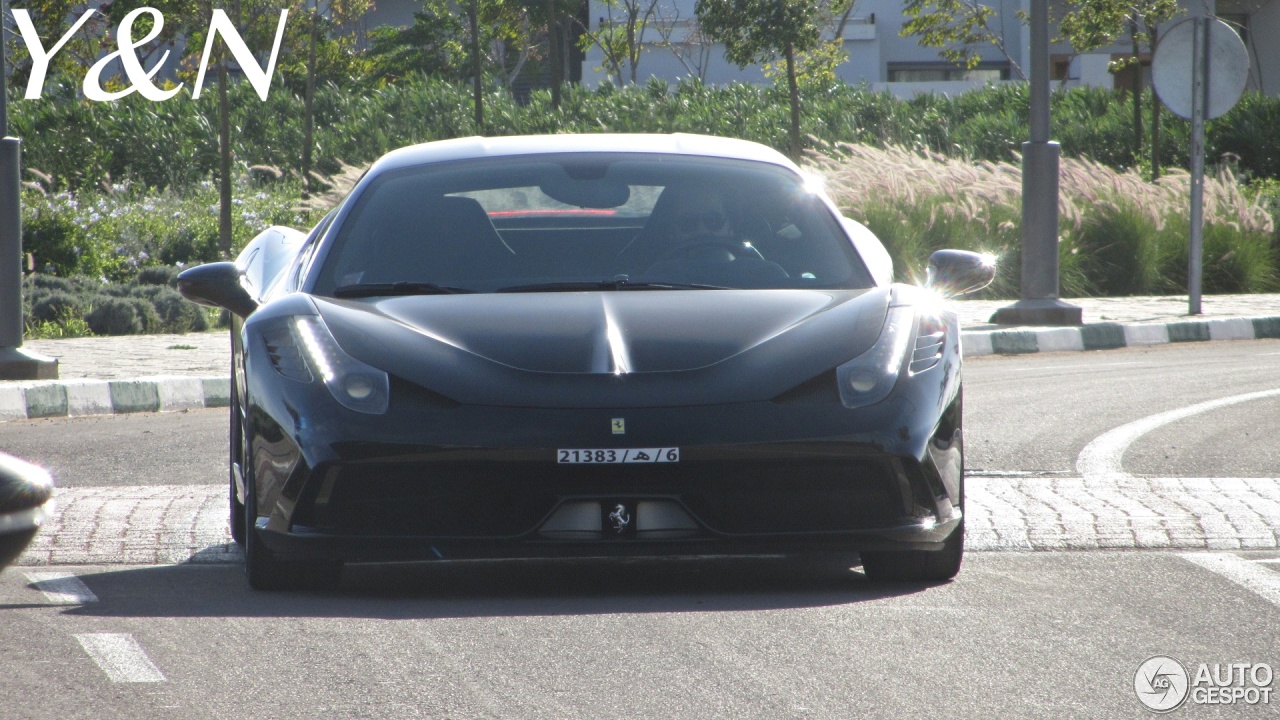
(1120, 234)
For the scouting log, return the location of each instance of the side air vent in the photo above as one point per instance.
(286, 356)
(930, 340)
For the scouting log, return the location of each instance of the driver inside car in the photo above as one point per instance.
(692, 229)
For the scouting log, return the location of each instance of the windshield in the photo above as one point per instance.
(573, 222)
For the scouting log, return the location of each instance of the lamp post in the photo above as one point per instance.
(15, 362)
(1039, 303)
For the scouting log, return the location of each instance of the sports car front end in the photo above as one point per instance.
(743, 380)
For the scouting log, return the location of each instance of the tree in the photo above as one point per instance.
(435, 44)
(958, 28)
(620, 35)
(762, 31)
(1091, 24)
(692, 50)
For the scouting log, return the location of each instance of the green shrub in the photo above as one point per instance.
(158, 275)
(70, 324)
(122, 316)
(53, 305)
(177, 314)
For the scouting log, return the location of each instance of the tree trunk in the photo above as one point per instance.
(1137, 90)
(308, 110)
(1155, 120)
(477, 88)
(224, 157)
(793, 89)
(553, 53)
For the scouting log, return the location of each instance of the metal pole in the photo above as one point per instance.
(10, 243)
(15, 362)
(1040, 174)
(4, 76)
(1039, 303)
(1199, 103)
(10, 214)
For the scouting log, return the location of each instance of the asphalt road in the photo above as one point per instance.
(1049, 634)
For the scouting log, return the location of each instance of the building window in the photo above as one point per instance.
(943, 72)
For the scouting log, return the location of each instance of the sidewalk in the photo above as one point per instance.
(134, 373)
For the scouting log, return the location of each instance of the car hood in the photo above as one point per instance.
(607, 349)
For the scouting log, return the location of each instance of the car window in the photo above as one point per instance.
(532, 201)
(537, 220)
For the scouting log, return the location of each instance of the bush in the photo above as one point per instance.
(177, 314)
(53, 305)
(123, 316)
(158, 275)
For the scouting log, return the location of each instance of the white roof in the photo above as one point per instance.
(485, 147)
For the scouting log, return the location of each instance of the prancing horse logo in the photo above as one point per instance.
(620, 518)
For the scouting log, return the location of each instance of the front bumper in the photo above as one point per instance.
(799, 474)
(464, 503)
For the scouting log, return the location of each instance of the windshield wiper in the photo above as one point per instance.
(396, 288)
(618, 283)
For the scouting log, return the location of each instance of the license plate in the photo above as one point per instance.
(618, 455)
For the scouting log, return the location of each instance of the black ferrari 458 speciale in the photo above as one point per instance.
(590, 346)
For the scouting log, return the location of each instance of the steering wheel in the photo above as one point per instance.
(695, 249)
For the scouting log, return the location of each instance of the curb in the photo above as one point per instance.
(1109, 336)
(77, 398)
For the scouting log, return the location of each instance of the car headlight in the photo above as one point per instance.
(303, 348)
(870, 377)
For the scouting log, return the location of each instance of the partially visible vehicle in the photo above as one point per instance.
(26, 500)
(589, 346)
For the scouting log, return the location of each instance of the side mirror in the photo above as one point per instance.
(217, 285)
(956, 272)
(26, 493)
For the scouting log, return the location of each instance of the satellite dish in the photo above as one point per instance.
(1228, 67)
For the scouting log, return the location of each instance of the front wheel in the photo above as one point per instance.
(918, 565)
(263, 570)
(236, 514)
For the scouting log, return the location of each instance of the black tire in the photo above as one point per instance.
(263, 570)
(918, 565)
(235, 515)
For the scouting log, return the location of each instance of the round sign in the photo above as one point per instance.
(1228, 67)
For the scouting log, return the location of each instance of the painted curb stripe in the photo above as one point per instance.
(78, 398)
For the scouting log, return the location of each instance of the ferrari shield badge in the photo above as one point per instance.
(619, 426)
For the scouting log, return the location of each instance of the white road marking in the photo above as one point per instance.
(1272, 560)
(1074, 367)
(120, 657)
(1101, 459)
(1241, 572)
(62, 588)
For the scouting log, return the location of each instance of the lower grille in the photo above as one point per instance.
(511, 499)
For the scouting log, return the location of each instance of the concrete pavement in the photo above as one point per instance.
(139, 373)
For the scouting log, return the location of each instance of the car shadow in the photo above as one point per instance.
(491, 589)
